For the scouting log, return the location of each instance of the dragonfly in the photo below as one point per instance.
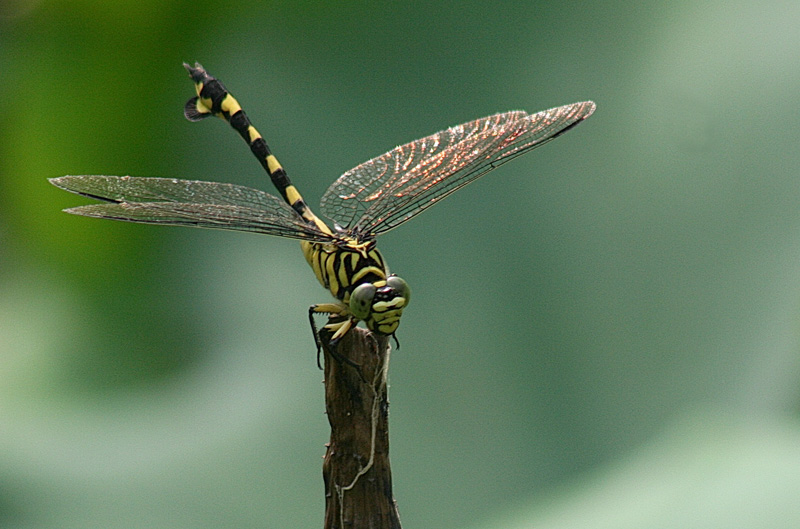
(363, 203)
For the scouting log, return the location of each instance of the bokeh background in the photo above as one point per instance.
(603, 333)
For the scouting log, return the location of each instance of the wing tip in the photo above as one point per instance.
(83, 211)
(587, 108)
(72, 211)
(60, 181)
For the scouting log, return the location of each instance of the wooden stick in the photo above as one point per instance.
(356, 470)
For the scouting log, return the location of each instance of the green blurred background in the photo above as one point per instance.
(604, 333)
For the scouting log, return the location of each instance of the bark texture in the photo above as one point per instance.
(356, 470)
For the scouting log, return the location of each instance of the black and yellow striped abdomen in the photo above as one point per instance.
(213, 99)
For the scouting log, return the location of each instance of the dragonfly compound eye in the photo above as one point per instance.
(361, 300)
(399, 285)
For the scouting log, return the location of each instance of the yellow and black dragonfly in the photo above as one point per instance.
(364, 202)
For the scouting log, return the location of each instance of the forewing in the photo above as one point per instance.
(188, 203)
(386, 191)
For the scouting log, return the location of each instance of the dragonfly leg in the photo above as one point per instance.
(344, 322)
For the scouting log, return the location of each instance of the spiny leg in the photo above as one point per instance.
(338, 328)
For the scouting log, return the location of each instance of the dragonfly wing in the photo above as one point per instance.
(213, 216)
(188, 203)
(386, 191)
(137, 189)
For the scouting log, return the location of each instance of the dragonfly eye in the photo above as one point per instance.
(361, 300)
(399, 285)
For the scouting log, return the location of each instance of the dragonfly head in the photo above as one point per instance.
(381, 304)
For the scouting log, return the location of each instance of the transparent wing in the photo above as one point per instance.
(188, 203)
(384, 192)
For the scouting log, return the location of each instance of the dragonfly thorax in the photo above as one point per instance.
(342, 267)
(356, 274)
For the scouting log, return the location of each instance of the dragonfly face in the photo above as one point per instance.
(381, 304)
(364, 202)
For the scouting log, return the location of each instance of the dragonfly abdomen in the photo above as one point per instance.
(213, 99)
